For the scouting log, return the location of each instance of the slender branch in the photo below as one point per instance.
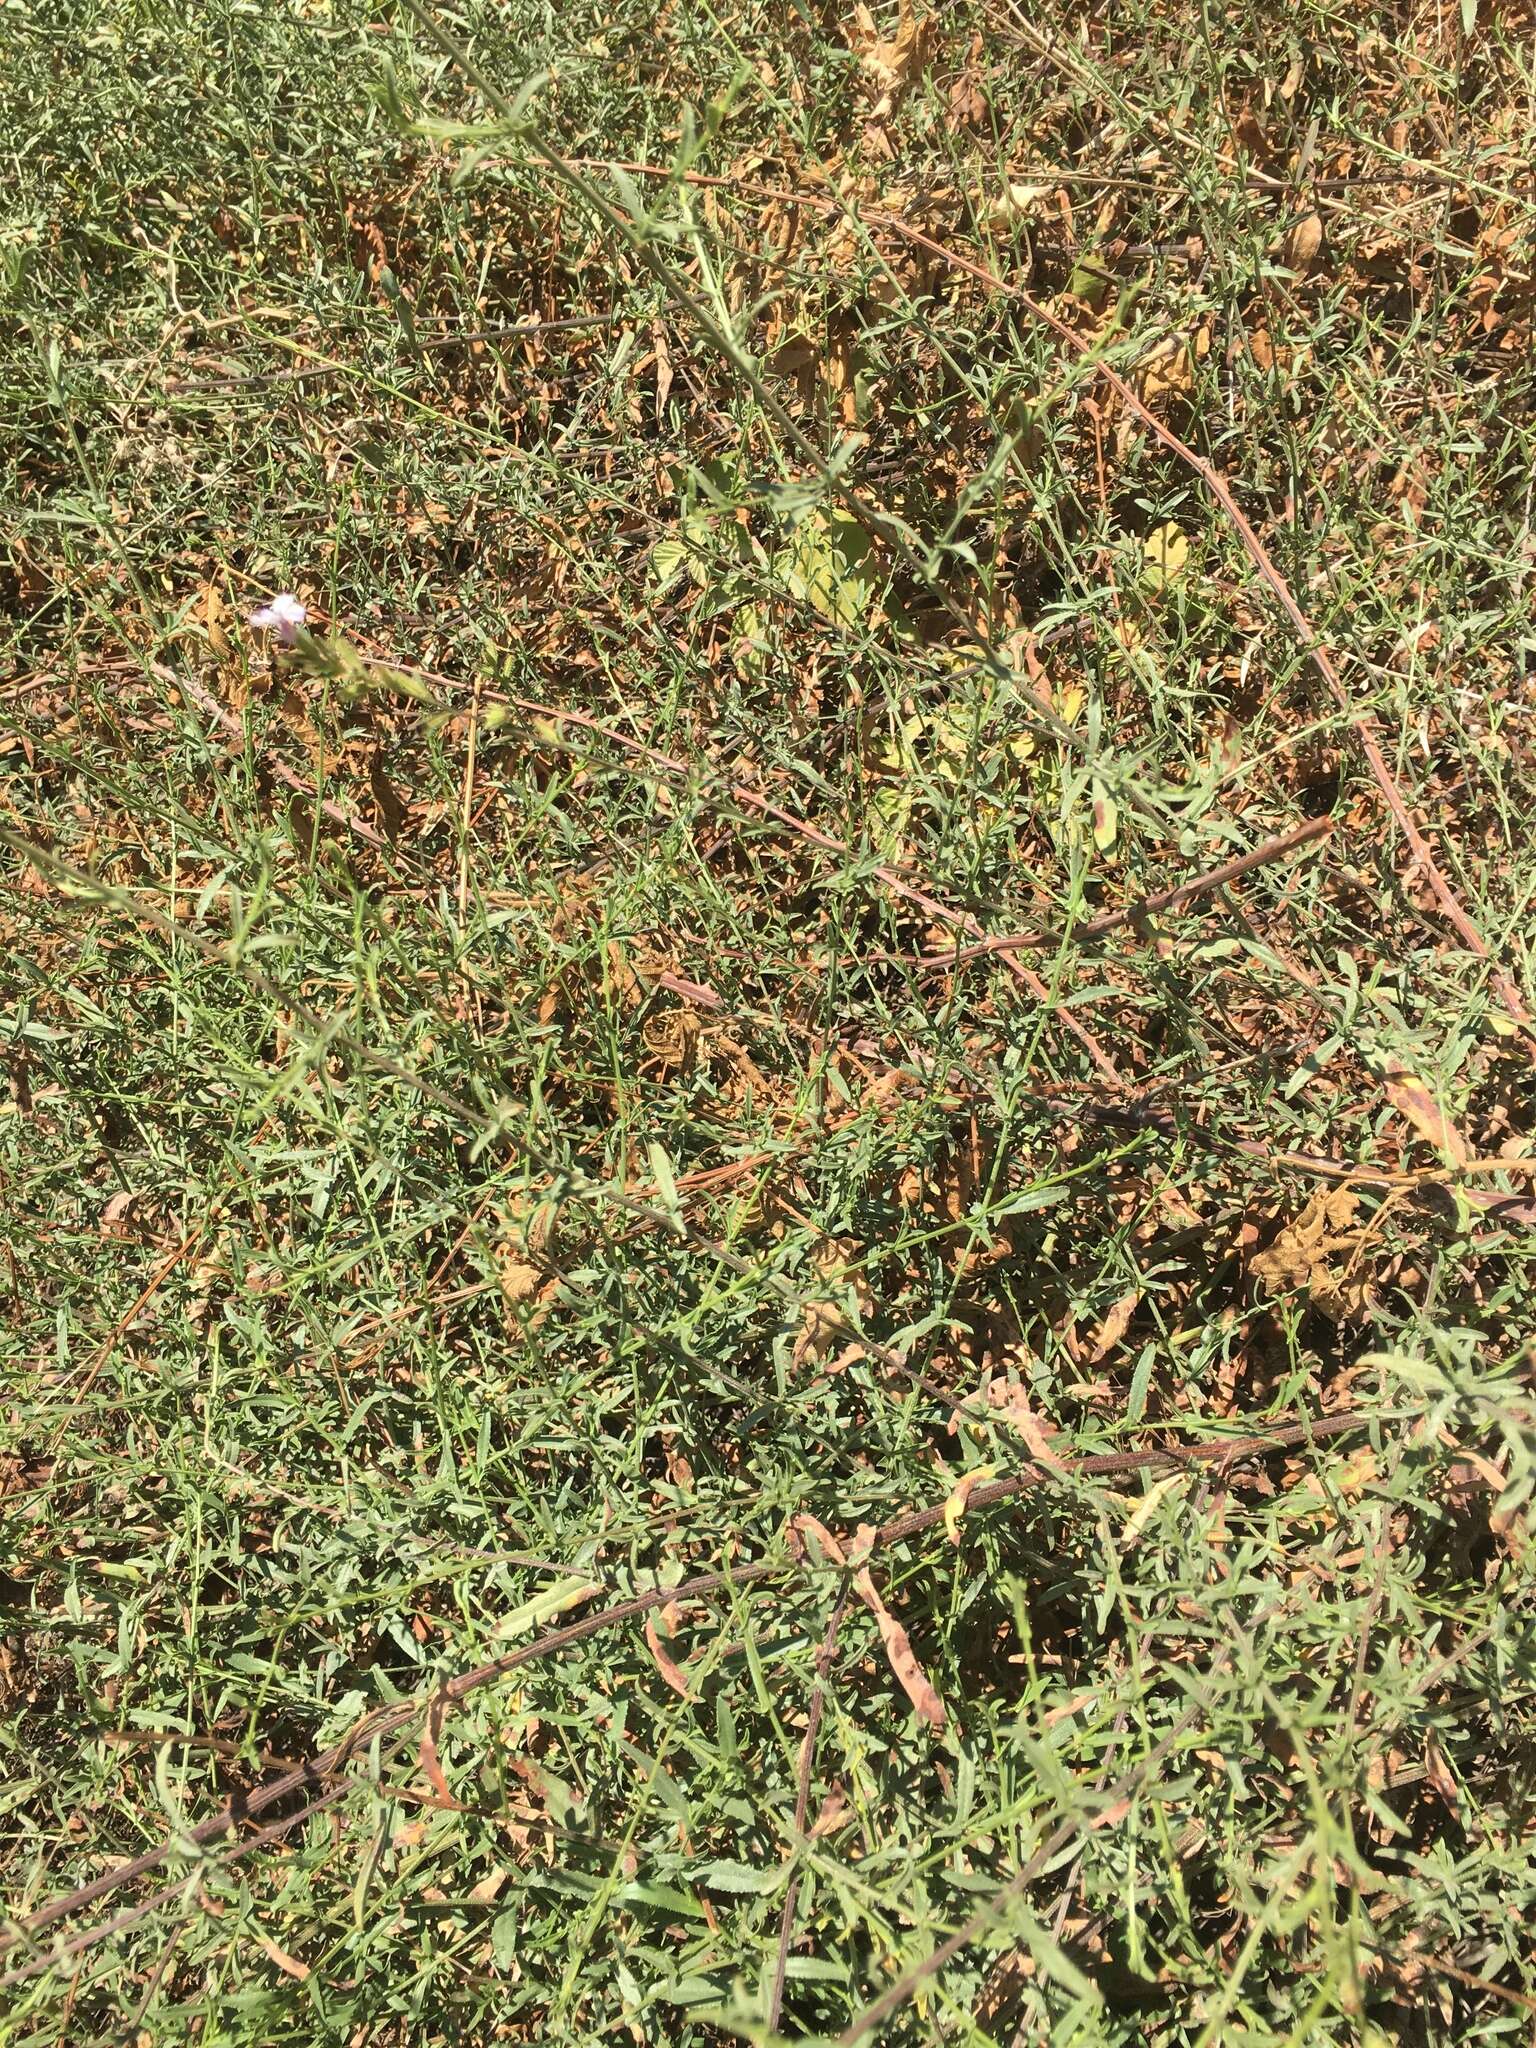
(327, 1779)
(989, 1915)
(304, 372)
(1148, 906)
(824, 1659)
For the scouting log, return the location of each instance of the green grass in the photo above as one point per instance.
(534, 1181)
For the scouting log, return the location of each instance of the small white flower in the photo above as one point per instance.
(283, 616)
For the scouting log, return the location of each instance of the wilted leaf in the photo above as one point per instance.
(1320, 1254)
(1411, 1098)
(959, 1498)
(1438, 1773)
(910, 1675)
(1303, 244)
(289, 1965)
(1012, 1405)
(1111, 1331)
(1147, 1507)
(1106, 817)
(666, 1664)
(892, 65)
(431, 1767)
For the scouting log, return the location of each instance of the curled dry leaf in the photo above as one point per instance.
(959, 1498)
(1014, 1409)
(910, 1675)
(1111, 1331)
(1412, 1098)
(1147, 1507)
(1438, 1773)
(116, 1217)
(1320, 1254)
(806, 1524)
(889, 67)
(289, 1965)
(1303, 245)
(431, 1766)
(666, 1664)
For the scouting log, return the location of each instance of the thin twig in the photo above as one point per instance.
(1148, 906)
(324, 1776)
(824, 1659)
(987, 1916)
(304, 372)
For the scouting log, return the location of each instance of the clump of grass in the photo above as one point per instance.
(618, 1422)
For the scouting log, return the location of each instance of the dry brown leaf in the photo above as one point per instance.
(1438, 1773)
(1319, 1253)
(1303, 244)
(663, 371)
(215, 611)
(520, 1282)
(289, 1965)
(1168, 368)
(891, 65)
(1111, 1331)
(806, 1524)
(431, 1768)
(967, 100)
(115, 1220)
(910, 1675)
(389, 807)
(1112, 1815)
(1411, 1098)
(1014, 1409)
(833, 1809)
(666, 1664)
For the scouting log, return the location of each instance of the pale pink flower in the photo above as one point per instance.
(283, 616)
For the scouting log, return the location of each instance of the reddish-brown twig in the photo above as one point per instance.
(912, 1981)
(1148, 906)
(326, 1778)
(824, 1659)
